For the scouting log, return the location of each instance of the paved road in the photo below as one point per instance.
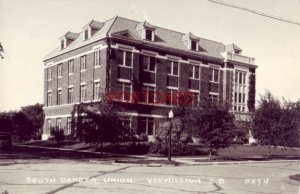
(77, 176)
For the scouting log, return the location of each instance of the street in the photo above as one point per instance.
(88, 176)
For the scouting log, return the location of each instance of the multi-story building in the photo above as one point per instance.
(129, 57)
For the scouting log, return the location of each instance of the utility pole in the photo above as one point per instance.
(171, 116)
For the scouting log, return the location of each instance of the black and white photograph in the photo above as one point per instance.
(149, 96)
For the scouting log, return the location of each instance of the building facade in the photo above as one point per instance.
(146, 68)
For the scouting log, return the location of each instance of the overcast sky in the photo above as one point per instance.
(30, 29)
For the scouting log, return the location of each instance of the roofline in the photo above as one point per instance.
(98, 39)
(57, 55)
(166, 48)
(173, 30)
(242, 64)
(108, 31)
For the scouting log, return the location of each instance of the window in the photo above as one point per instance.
(215, 75)
(149, 63)
(125, 59)
(49, 99)
(86, 34)
(58, 123)
(83, 93)
(146, 126)
(49, 72)
(148, 94)
(83, 63)
(48, 126)
(240, 91)
(172, 68)
(126, 91)
(194, 45)
(62, 44)
(69, 125)
(59, 70)
(195, 73)
(214, 98)
(196, 99)
(70, 95)
(149, 35)
(59, 97)
(172, 97)
(97, 90)
(97, 58)
(71, 66)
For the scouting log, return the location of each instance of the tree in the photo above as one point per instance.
(290, 124)
(179, 138)
(24, 124)
(213, 125)
(1, 51)
(35, 116)
(275, 123)
(22, 128)
(6, 122)
(99, 123)
(57, 134)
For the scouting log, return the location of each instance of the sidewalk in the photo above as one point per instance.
(184, 161)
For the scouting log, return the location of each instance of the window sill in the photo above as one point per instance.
(146, 70)
(97, 66)
(71, 73)
(129, 67)
(83, 70)
(173, 75)
(213, 82)
(192, 78)
(59, 77)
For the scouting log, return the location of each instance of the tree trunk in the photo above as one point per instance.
(269, 146)
(101, 148)
(269, 151)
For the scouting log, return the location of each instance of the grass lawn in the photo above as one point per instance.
(233, 153)
(248, 151)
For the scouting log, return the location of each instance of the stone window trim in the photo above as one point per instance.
(173, 64)
(149, 68)
(215, 75)
(194, 75)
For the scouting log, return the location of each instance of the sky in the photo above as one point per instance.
(30, 29)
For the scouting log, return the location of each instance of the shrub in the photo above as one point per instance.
(57, 134)
(143, 137)
(180, 139)
(254, 144)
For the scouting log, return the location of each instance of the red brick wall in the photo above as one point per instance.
(135, 74)
(184, 77)
(204, 83)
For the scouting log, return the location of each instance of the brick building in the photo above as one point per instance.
(129, 57)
